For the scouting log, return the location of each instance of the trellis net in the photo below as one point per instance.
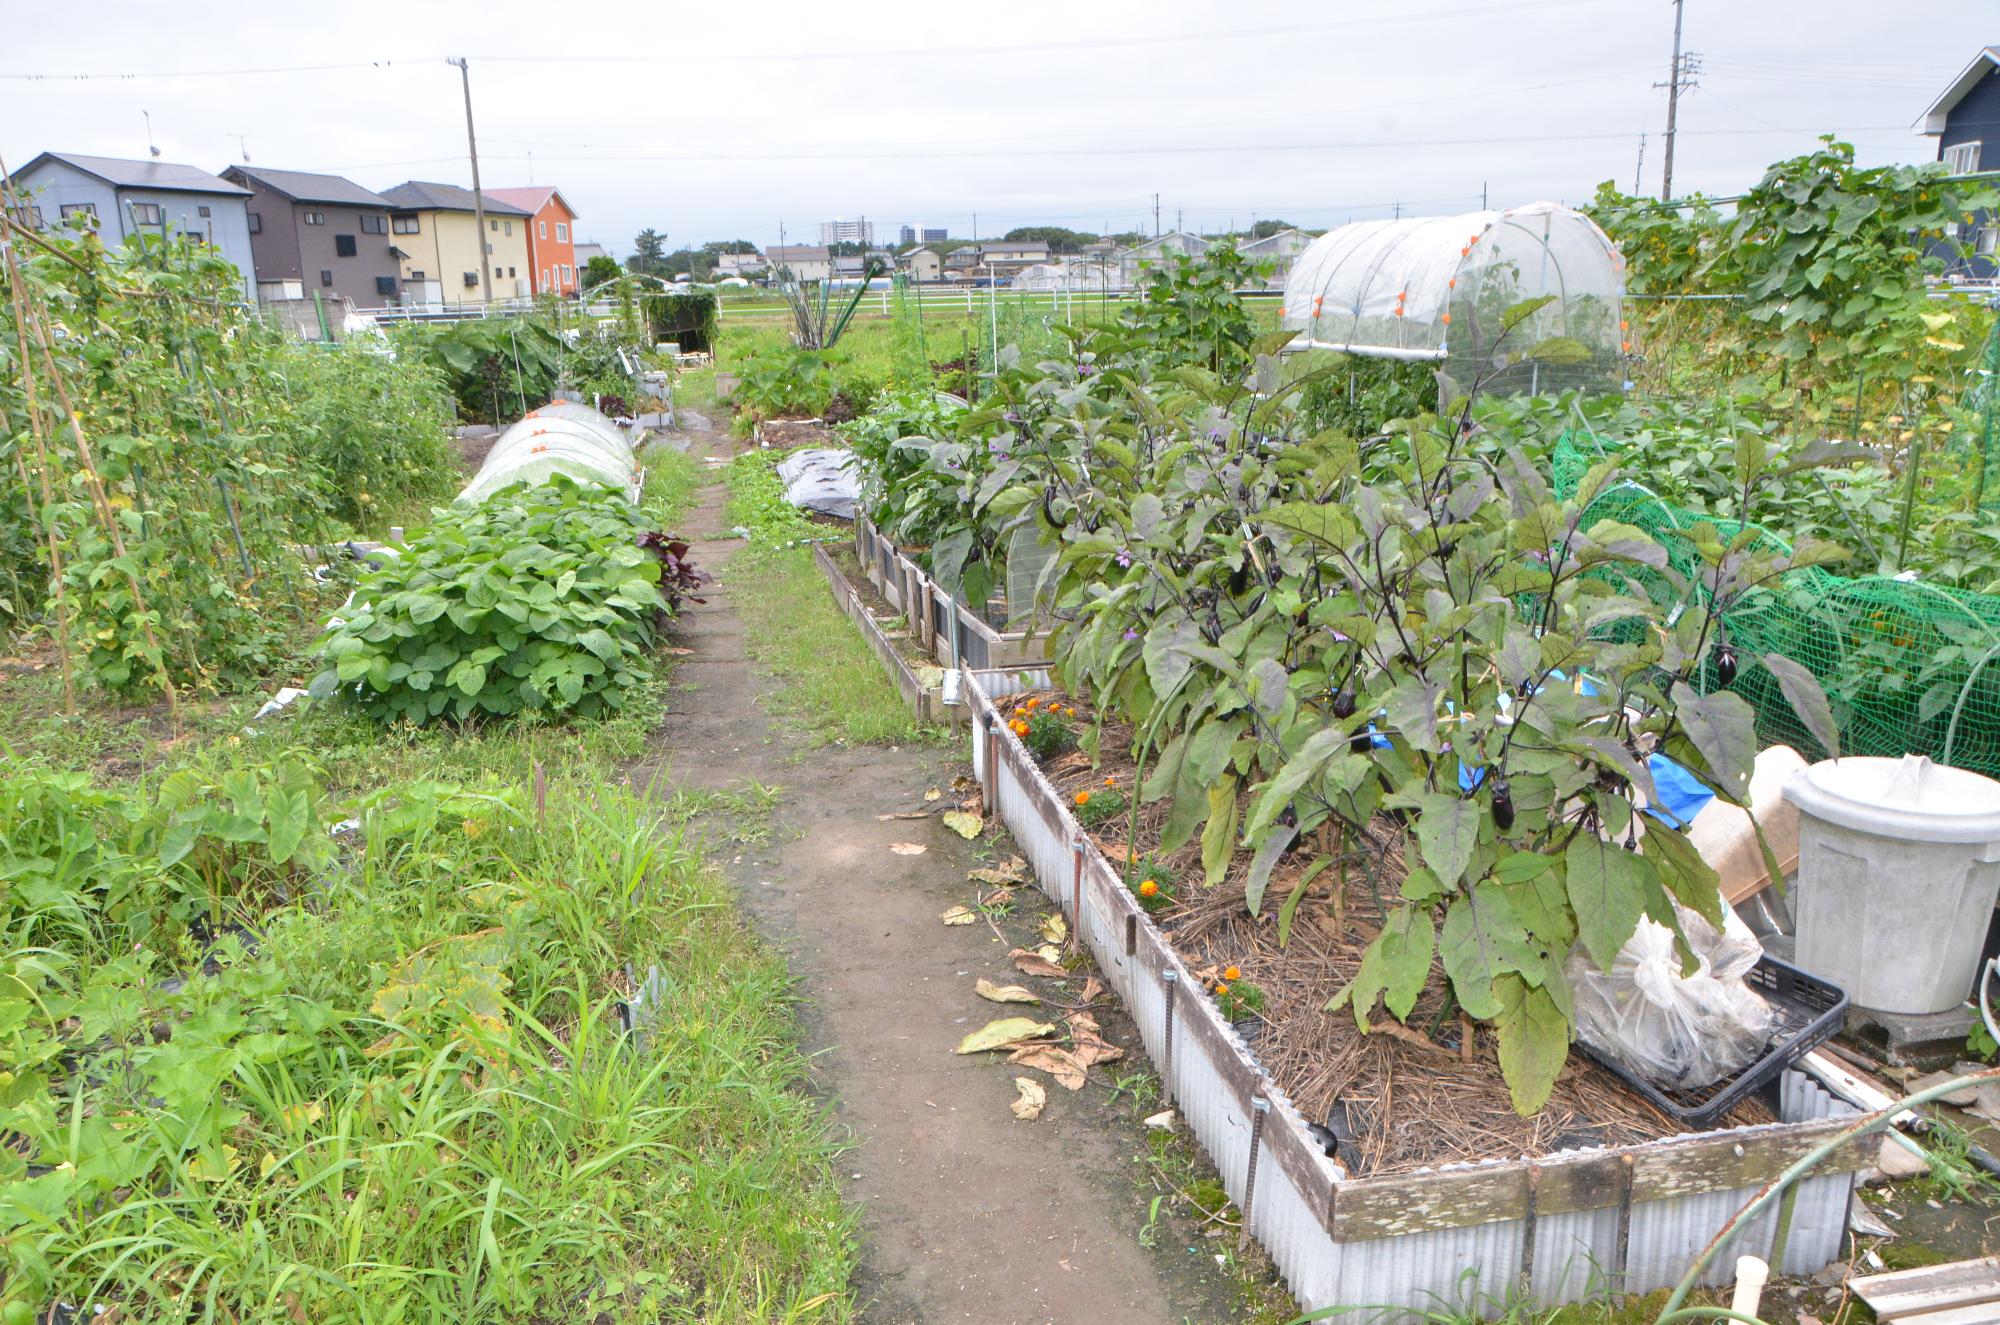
(1909, 667)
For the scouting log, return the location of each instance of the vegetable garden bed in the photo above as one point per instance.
(978, 644)
(1561, 1226)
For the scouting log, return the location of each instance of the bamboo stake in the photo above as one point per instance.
(38, 430)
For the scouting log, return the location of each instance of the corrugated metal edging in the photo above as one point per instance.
(999, 682)
(1576, 1254)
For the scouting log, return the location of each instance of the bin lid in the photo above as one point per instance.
(1911, 799)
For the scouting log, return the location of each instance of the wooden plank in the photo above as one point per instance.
(1740, 1158)
(1984, 1313)
(1391, 1206)
(1932, 1288)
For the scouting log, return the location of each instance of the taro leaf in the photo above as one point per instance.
(1261, 865)
(1607, 891)
(1516, 314)
(1412, 711)
(178, 840)
(1683, 872)
(1723, 728)
(1267, 682)
(1148, 514)
(1396, 964)
(1218, 838)
(1808, 699)
(1482, 937)
(1448, 832)
(1167, 663)
(1534, 1041)
(289, 814)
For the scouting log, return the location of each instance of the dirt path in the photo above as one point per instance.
(967, 1214)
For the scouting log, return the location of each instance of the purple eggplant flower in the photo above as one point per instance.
(1131, 633)
(1125, 557)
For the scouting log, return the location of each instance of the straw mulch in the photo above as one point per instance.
(1403, 1096)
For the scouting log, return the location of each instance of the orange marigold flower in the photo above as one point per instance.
(1083, 798)
(1148, 888)
(1231, 973)
(1111, 782)
(1222, 989)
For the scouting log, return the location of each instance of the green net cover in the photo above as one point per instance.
(1909, 667)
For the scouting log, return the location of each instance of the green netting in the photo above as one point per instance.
(1909, 667)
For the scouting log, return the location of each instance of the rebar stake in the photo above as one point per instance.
(1131, 933)
(1259, 1107)
(1076, 895)
(1172, 979)
(992, 787)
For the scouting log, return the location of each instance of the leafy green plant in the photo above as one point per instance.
(784, 383)
(379, 428)
(1096, 807)
(498, 368)
(1237, 998)
(540, 599)
(1190, 312)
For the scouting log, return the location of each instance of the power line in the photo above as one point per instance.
(123, 77)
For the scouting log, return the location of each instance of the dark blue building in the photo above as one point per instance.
(1966, 122)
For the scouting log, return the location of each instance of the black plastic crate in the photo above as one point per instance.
(1807, 1010)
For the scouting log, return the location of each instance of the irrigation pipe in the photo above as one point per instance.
(1757, 1204)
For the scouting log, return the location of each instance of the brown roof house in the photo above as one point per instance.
(319, 232)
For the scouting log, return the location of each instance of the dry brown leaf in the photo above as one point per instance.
(1093, 989)
(967, 826)
(973, 805)
(1005, 1033)
(674, 650)
(993, 993)
(961, 783)
(1032, 1101)
(907, 814)
(958, 915)
(1396, 1030)
(1049, 952)
(1054, 928)
(1163, 1120)
(1014, 871)
(1033, 963)
(1055, 1060)
(998, 897)
(1117, 851)
(933, 794)
(908, 848)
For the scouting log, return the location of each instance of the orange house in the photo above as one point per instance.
(551, 236)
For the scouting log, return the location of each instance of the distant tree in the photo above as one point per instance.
(1059, 239)
(846, 248)
(599, 270)
(649, 253)
(1265, 229)
(729, 246)
(1127, 238)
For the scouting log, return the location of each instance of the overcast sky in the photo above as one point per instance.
(719, 121)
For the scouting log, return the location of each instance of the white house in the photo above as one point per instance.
(807, 262)
(1158, 251)
(1276, 253)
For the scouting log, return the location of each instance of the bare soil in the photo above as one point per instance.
(967, 1214)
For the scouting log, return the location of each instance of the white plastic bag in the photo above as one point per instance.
(1678, 1032)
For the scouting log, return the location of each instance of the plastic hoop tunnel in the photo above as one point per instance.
(1436, 289)
(558, 438)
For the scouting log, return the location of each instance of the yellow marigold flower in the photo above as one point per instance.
(1231, 973)
(1148, 888)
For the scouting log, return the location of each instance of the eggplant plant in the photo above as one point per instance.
(1310, 634)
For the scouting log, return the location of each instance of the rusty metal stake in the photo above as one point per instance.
(1172, 979)
(992, 787)
(1259, 1107)
(1131, 933)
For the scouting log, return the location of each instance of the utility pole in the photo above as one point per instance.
(1680, 78)
(1482, 195)
(1156, 216)
(478, 198)
(1179, 225)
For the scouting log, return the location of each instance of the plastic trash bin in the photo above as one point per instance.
(1899, 867)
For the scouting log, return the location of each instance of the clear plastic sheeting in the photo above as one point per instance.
(821, 479)
(1681, 1032)
(1437, 289)
(558, 438)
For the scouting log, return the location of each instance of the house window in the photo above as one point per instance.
(510, 271)
(314, 218)
(509, 227)
(416, 276)
(492, 225)
(562, 233)
(544, 226)
(1962, 158)
(385, 286)
(256, 223)
(489, 250)
(569, 272)
(405, 225)
(72, 210)
(201, 211)
(30, 217)
(146, 213)
(325, 276)
(545, 278)
(372, 225)
(343, 246)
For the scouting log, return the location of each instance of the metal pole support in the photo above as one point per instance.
(1172, 979)
(1076, 893)
(992, 787)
